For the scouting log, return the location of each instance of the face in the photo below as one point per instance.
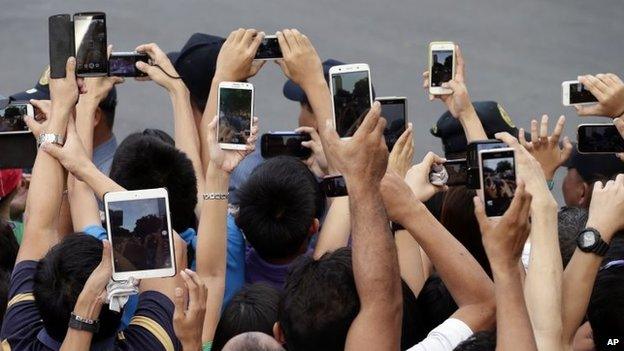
(307, 117)
(573, 188)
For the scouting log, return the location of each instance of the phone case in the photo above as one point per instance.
(61, 43)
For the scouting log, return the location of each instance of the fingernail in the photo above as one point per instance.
(186, 270)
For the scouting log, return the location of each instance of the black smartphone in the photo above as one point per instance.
(334, 186)
(457, 172)
(472, 159)
(90, 44)
(285, 143)
(269, 49)
(599, 139)
(123, 64)
(394, 110)
(60, 42)
(498, 180)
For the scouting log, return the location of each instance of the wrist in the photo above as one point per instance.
(177, 89)
(217, 180)
(605, 230)
(468, 114)
(314, 82)
(505, 270)
(88, 305)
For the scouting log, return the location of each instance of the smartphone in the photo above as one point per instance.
(441, 66)
(599, 139)
(12, 118)
(285, 144)
(575, 93)
(352, 96)
(472, 159)
(498, 180)
(394, 110)
(123, 64)
(60, 43)
(236, 103)
(269, 49)
(139, 229)
(90, 44)
(334, 186)
(457, 171)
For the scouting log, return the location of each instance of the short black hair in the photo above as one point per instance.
(480, 341)
(5, 279)
(253, 308)
(59, 279)
(109, 106)
(277, 206)
(320, 302)
(571, 220)
(605, 311)
(145, 161)
(8, 246)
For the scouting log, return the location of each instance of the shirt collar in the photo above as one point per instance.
(105, 150)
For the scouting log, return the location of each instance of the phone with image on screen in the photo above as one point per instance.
(575, 93)
(352, 96)
(394, 110)
(139, 230)
(285, 144)
(90, 44)
(236, 105)
(441, 66)
(269, 49)
(12, 118)
(457, 172)
(123, 64)
(599, 139)
(498, 180)
(334, 186)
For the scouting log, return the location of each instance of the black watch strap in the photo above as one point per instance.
(601, 248)
(79, 323)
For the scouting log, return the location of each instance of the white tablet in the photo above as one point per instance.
(139, 230)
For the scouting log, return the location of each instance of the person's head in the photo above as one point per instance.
(458, 218)
(319, 303)
(480, 341)
(571, 220)
(10, 180)
(253, 341)
(8, 246)
(252, 309)
(279, 207)
(105, 117)
(146, 160)
(59, 279)
(606, 306)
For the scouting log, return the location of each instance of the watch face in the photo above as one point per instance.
(588, 239)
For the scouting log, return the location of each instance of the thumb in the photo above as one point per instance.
(53, 150)
(179, 304)
(70, 67)
(143, 67)
(591, 110)
(479, 211)
(32, 124)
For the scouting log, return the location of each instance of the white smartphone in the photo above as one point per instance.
(12, 118)
(352, 96)
(574, 93)
(236, 105)
(441, 66)
(497, 176)
(269, 49)
(139, 230)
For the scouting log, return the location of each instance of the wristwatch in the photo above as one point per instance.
(80, 323)
(589, 240)
(50, 138)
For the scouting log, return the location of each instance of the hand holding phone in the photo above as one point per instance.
(441, 66)
(269, 49)
(90, 44)
(608, 90)
(498, 180)
(235, 101)
(123, 64)
(352, 96)
(12, 118)
(575, 93)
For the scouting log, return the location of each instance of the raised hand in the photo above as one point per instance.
(401, 155)
(609, 90)
(188, 321)
(607, 206)
(301, 63)
(39, 122)
(97, 88)
(161, 70)
(72, 154)
(227, 160)
(397, 197)
(546, 148)
(101, 275)
(418, 177)
(64, 92)
(317, 162)
(236, 58)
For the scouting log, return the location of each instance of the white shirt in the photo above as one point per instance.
(445, 337)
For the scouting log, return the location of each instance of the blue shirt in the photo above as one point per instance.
(103, 155)
(242, 171)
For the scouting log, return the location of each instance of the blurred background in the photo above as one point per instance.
(517, 52)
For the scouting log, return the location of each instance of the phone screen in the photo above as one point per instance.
(457, 171)
(269, 48)
(139, 234)
(12, 118)
(441, 67)
(334, 186)
(603, 138)
(352, 100)
(499, 181)
(287, 144)
(125, 65)
(394, 113)
(234, 115)
(90, 43)
(579, 95)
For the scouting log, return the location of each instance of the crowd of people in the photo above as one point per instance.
(274, 264)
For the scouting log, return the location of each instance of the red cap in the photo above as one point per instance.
(9, 180)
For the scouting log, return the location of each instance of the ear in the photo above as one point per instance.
(314, 227)
(585, 194)
(98, 117)
(278, 333)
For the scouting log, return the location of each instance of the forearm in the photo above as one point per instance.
(88, 307)
(209, 113)
(410, 261)
(65, 219)
(99, 183)
(472, 125)
(336, 228)
(85, 122)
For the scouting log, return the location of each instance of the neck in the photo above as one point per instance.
(100, 136)
(5, 211)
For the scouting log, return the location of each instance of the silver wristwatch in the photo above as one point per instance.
(50, 138)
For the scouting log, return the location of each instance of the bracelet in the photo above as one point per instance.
(85, 324)
(216, 196)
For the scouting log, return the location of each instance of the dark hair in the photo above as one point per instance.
(320, 302)
(253, 308)
(278, 204)
(571, 220)
(435, 303)
(145, 161)
(606, 306)
(458, 218)
(108, 107)
(59, 280)
(480, 341)
(8, 246)
(5, 279)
